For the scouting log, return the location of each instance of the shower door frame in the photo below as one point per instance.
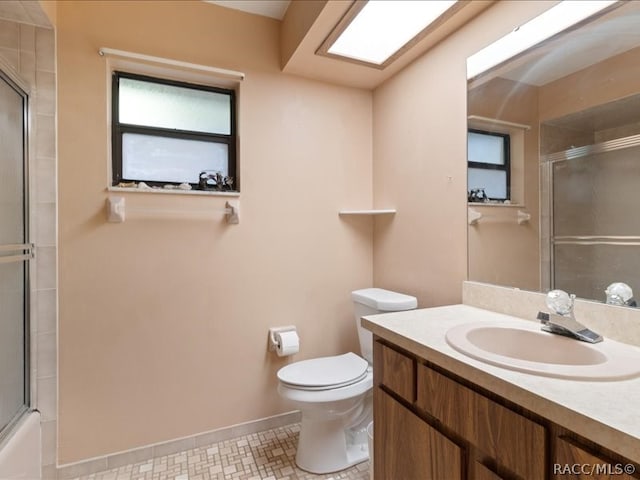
(25, 250)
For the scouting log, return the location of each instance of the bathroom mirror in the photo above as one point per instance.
(570, 108)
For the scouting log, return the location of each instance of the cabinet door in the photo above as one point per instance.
(407, 448)
(572, 461)
(515, 443)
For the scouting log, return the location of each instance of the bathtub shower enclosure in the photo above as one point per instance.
(15, 254)
(28, 212)
(593, 200)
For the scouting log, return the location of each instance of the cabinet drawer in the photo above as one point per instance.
(568, 455)
(515, 442)
(397, 373)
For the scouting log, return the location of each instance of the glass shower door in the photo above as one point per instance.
(15, 253)
(596, 225)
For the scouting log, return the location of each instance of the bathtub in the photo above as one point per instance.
(20, 454)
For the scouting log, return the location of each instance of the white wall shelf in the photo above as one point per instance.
(385, 211)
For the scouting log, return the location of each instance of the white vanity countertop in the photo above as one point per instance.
(607, 413)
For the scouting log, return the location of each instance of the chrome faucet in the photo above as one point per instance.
(563, 322)
(619, 293)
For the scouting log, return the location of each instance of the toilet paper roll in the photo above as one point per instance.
(288, 343)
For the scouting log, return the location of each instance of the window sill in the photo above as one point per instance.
(505, 205)
(164, 191)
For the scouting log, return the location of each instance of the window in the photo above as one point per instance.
(167, 132)
(488, 161)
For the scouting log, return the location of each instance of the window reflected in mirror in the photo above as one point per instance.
(488, 171)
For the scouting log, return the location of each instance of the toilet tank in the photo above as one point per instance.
(371, 301)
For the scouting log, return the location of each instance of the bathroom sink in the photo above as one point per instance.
(526, 348)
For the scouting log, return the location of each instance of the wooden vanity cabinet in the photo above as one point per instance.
(430, 425)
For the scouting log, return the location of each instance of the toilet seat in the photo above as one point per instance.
(324, 373)
(322, 396)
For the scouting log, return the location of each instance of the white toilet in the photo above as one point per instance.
(334, 393)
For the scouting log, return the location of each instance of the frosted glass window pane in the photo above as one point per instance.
(168, 106)
(163, 159)
(485, 148)
(494, 182)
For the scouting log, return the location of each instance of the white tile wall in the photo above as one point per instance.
(30, 50)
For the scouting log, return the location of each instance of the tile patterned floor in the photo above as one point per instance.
(266, 455)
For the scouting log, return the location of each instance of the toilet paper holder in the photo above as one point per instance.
(273, 342)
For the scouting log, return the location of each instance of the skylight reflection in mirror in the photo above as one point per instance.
(557, 19)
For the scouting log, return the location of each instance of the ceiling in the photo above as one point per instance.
(267, 8)
(309, 22)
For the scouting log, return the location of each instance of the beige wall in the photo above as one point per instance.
(419, 161)
(163, 322)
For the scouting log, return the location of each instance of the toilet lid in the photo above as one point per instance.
(324, 372)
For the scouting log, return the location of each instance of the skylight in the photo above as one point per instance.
(544, 26)
(383, 27)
